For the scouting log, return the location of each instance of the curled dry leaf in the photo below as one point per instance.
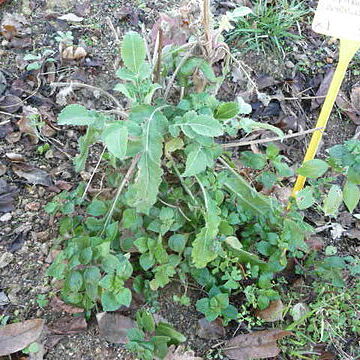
(323, 89)
(10, 103)
(13, 27)
(7, 196)
(350, 107)
(59, 305)
(257, 345)
(114, 327)
(73, 53)
(71, 18)
(274, 312)
(68, 325)
(210, 330)
(32, 174)
(25, 125)
(15, 337)
(180, 353)
(14, 157)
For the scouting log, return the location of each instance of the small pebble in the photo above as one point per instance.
(6, 217)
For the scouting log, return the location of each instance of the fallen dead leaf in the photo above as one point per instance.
(315, 243)
(114, 326)
(7, 196)
(274, 312)
(32, 174)
(350, 107)
(15, 337)
(13, 137)
(71, 18)
(73, 53)
(14, 157)
(257, 345)
(323, 89)
(68, 325)
(210, 330)
(180, 353)
(10, 103)
(59, 305)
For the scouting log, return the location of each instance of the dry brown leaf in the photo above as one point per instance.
(180, 353)
(7, 196)
(323, 89)
(257, 345)
(59, 305)
(14, 157)
(68, 325)
(114, 326)
(32, 174)
(15, 337)
(210, 330)
(274, 312)
(13, 25)
(10, 103)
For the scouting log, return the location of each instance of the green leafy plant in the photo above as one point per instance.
(37, 61)
(151, 340)
(180, 208)
(326, 193)
(268, 26)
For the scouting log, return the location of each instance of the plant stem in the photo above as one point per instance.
(90, 87)
(120, 189)
(262, 141)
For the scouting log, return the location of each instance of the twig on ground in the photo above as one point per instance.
(8, 114)
(277, 138)
(111, 25)
(157, 60)
(93, 88)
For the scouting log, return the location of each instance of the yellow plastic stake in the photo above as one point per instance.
(348, 48)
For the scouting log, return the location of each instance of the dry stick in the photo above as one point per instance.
(207, 29)
(9, 114)
(94, 88)
(182, 62)
(157, 69)
(113, 29)
(147, 47)
(93, 174)
(4, 122)
(120, 189)
(262, 141)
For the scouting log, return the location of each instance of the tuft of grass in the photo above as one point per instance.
(268, 27)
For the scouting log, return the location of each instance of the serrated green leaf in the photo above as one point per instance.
(248, 197)
(125, 74)
(333, 201)
(208, 71)
(97, 208)
(252, 160)
(75, 281)
(313, 168)
(196, 161)
(351, 194)
(124, 89)
(227, 111)
(76, 115)
(200, 125)
(133, 51)
(177, 242)
(151, 92)
(149, 174)
(305, 198)
(173, 145)
(115, 137)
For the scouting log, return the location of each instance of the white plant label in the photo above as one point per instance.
(338, 18)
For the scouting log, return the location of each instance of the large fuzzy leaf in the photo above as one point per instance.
(75, 114)
(115, 137)
(148, 179)
(193, 125)
(248, 197)
(205, 245)
(133, 51)
(198, 158)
